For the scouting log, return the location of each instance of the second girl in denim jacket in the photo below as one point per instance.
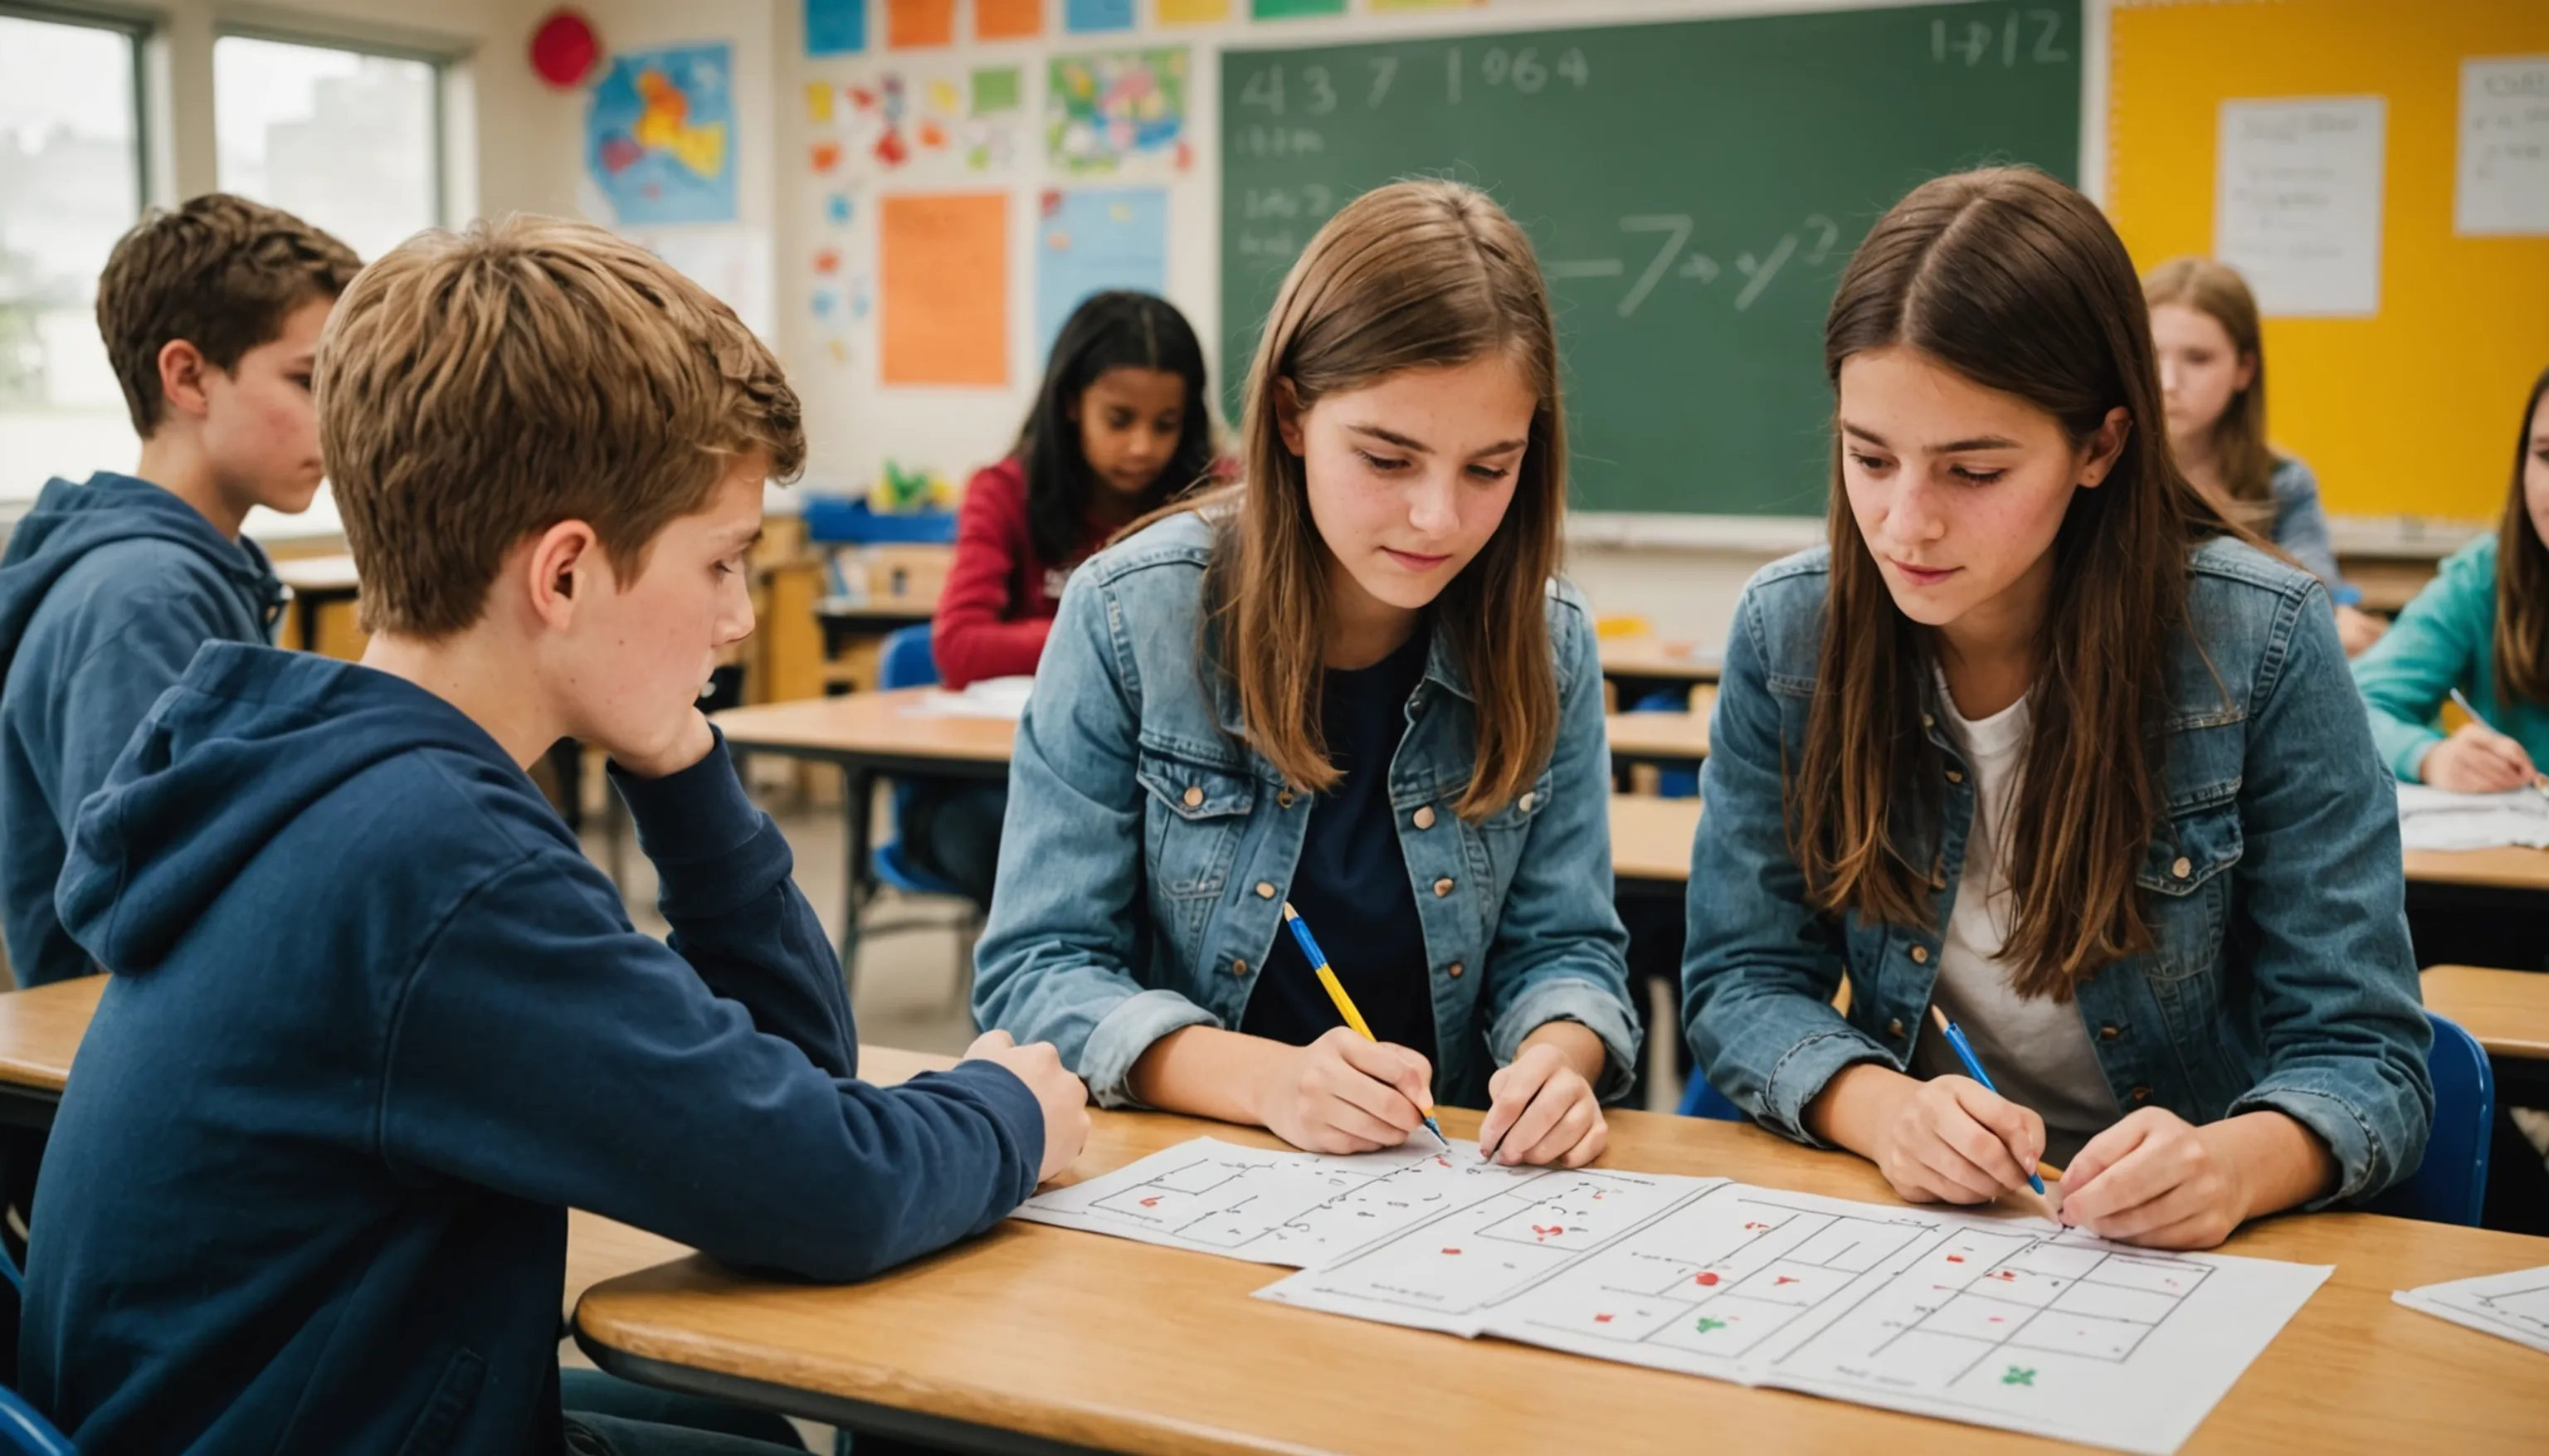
(1349, 683)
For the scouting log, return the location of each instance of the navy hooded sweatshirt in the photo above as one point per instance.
(374, 1025)
(105, 591)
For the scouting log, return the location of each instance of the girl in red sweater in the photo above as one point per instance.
(1121, 424)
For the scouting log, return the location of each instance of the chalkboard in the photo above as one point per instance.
(1693, 188)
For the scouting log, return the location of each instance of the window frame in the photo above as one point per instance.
(439, 61)
(138, 29)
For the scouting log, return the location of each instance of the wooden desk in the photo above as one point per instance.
(866, 735)
(1643, 665)
(1034, 1338)
(2388, 584)
(1677, 738)
(1651, 843)
(2506, 1010)
(316, 582)
(2506, 869)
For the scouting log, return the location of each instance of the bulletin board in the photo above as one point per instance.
(2412, 412)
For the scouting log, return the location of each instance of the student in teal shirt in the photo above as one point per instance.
(2482, 627)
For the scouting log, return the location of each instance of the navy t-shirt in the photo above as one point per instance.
(1352, 883)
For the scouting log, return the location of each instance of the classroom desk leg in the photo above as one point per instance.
(858, 806)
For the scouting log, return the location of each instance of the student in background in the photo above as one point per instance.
(375, 1022)
(2212, 383)
(1121, 424)
(1350, 682)
(2039, 739)
(212, 315)
(2482, 625)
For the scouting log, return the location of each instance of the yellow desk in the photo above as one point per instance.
(1037, 1338)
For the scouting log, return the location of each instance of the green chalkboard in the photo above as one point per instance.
(1693, 188)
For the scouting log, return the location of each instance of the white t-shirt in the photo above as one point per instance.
(2038, 1052)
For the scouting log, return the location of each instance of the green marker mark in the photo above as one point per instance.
(2019, 1375)
(1706, 1324)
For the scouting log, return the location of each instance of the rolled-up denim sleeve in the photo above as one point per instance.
(1559, 953)
(2322, 889)
(1055, 960)
(1760, 966)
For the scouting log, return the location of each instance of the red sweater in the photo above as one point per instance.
(1000, 597)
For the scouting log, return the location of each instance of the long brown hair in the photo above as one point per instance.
(2522, 580)
(1414, 275)
(2246, 463)
(2018, 283)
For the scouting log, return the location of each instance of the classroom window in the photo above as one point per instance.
(70, 184)
(348, 140)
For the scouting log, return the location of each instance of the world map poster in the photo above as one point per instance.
(659, 136)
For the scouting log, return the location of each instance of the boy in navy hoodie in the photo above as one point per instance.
(374, 1023)
(211, 314)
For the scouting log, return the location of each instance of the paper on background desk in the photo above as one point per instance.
(2009, 1322)
(2436, 819)
(2513, 1306)
(990, 698)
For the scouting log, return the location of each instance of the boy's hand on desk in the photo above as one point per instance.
(1064, 1097)
(2477, 759)
(667, 750)
(1344, 1093)
(1542, 1111)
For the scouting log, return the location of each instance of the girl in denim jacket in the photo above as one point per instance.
(1350, 684)
(2044, 740)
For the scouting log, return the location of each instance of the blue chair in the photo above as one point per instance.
(1700, 1099)
(2450, 1185)
(1670, 784)
(904, 660)
(24, 1431)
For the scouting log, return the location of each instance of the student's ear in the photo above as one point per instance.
(2248, 374)
(1287, 417)
(182, 368)
(2099, 457)
(565, 560)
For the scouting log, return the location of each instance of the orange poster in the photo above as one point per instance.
(945, 310)
(919, 23)
(1007, 19)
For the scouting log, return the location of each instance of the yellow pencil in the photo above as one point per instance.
(1318, 959)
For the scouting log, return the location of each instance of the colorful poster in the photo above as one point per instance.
(919, 23)
(659, 136)
(1092, 239)
(945, 266)
(1193, 12)
(836, 27)
(1007, 19)
(996, 89)
(1088, 17)
(1104, 110)
(1296, 9)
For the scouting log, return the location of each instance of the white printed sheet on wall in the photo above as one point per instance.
(2297, 204)
(2504, 186)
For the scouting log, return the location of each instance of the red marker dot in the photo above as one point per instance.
(1780, 1279)
(1708, 1278)
(1451, 1250)
(1601, 1319)
(1955, 1258)
(1152, 1202)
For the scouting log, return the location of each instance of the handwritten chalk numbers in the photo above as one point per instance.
(2023, 38)
(1323, 92)
(1385, 69)
(1264, 88)
(1524, 70)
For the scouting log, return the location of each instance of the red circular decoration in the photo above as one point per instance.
(564, 49)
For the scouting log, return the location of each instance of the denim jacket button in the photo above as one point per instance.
(2183, 867)
(2142, 1094)
(1283, 799)
(1920, 954)
(1929, 722)
(1441, 887)
(2106, 1033)
(1194, 797)
(1264, 891)
(1239, 968)
(1529, 800)
(1894, 1028)
(1423, 818)
(1956, 777)
(1454, 970)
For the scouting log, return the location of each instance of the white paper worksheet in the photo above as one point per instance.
(2438, 819)
(2009, 1323)
(2513, 1306)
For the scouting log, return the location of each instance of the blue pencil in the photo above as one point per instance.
(1974, 1068)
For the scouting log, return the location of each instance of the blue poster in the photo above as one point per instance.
(1087, 17)
(836, 27)
(1092, 239)
(659, 136)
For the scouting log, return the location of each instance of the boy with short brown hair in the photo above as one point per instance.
(211, 313)
(376, 1022)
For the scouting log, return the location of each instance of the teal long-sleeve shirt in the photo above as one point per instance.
(2445, 639)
